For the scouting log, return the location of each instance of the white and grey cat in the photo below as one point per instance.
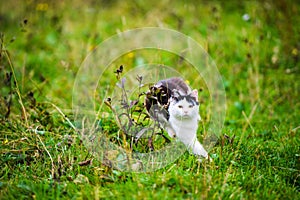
(180, 115)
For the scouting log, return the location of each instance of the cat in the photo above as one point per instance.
(175, 106)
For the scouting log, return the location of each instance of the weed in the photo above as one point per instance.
(256, 48)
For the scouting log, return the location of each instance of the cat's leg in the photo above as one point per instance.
(199, 150)
(170, 131)
(165, 124)
(160, 115)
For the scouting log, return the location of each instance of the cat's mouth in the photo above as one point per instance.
(185, 116)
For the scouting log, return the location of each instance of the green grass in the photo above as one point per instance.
(43, 45)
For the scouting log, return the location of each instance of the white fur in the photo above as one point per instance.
(183, 123)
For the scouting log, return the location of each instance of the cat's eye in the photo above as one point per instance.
(190, 106)
(179, 106)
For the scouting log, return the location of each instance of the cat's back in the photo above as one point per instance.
(174, 83)
(162, 91)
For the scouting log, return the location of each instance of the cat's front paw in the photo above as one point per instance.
(208, 159)
(171, 132)
(199, 150)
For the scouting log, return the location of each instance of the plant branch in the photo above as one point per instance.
(16, 84)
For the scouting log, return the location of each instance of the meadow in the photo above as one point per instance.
(255, 46)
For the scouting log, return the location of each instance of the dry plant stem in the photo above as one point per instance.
(295, 129)
(248, 119)
(17, 86)
(69, 122)
(100, 108)
(52, 163)
(248, 122)
(124, 94)
(116, 114)
(64, 116)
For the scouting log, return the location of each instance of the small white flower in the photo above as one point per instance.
(246, 17)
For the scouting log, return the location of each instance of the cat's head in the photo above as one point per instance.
(184, 106)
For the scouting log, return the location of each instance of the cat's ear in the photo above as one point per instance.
(175, 94)
(195, 94)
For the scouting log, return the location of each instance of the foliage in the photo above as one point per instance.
(255, 46)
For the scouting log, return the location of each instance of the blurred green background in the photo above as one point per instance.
(255, 45)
